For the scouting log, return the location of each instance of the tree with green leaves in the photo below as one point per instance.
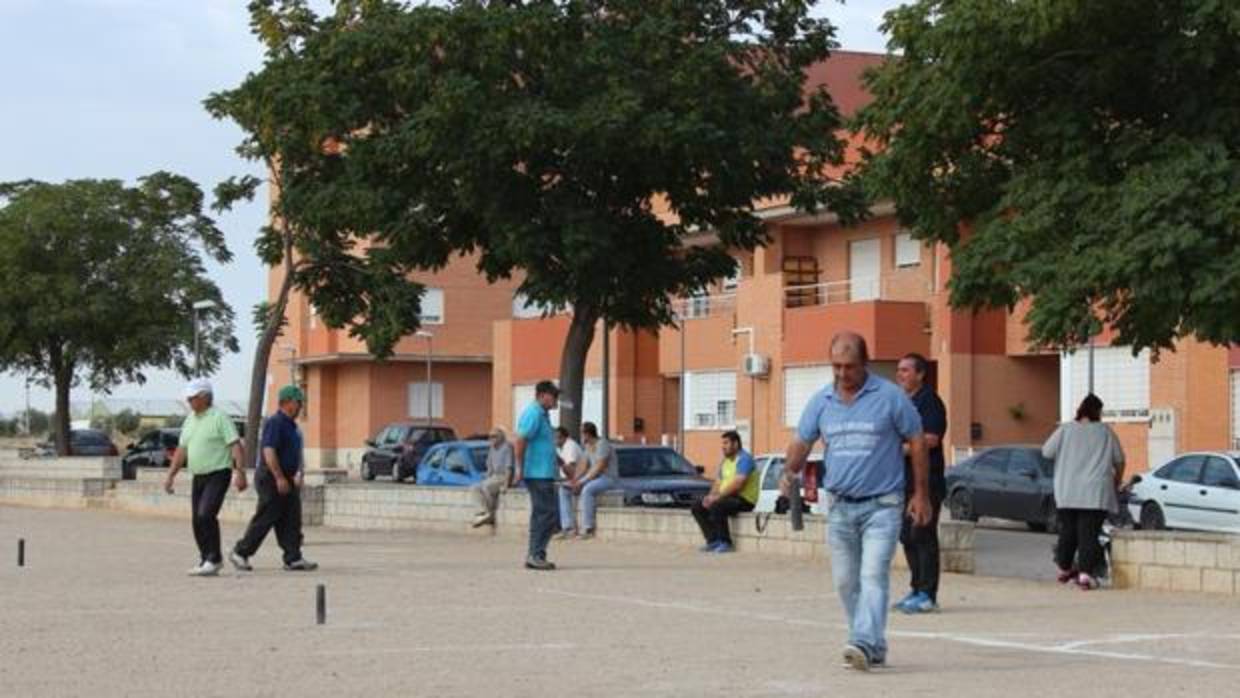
(98, 280)
(542, 136)
(127, 422)
(1084, 154)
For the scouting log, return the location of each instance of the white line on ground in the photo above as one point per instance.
(977, 641)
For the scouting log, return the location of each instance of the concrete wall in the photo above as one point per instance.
(373, 506)
(380, 506)
(1176, 561)
(71, 468)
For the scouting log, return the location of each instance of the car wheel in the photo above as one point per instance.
(961, 506)
(1152, 518)
(367, 473)
(1049, 523)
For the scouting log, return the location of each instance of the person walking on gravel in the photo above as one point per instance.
(278, 480)
(210, 447)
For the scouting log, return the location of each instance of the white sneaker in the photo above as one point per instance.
(242, 564)
(206, 569)
(196, 570)
(301, 565)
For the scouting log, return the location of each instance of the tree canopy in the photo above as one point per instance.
(1082, 153)
(98, 280)
(542, 136)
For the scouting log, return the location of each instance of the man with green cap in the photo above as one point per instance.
(278, 481)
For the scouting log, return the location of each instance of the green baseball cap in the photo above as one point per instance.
(292, 392)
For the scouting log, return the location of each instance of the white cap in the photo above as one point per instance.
(197, 387)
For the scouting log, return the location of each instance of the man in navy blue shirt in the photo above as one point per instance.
(278, 481)
(921, 543)
(866, 423)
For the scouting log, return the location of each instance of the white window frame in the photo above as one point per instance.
(416, 393)
(1235, 409)
(522, 395)
(1121, 380)
(908, 250)
(432, 306)
(800, 384)
(710, 401)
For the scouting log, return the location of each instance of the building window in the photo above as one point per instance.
(592, 402)
(1235, 409)
(732, 281)
(1121, 380)
(800, 384)
(591, 397)
(525, 309)
(710, 400)
(432, 306)
(696, 306)
(908, 250)
(417, 400)
(522, 396)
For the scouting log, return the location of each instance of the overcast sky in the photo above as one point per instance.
(113, 89)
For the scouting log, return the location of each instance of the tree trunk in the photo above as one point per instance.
(62, 375)
(573, 367)
(262, 356)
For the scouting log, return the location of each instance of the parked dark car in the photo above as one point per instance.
(459, 463)
(153, 450)
(82, 442)
(649, 475)
(659, 476)
(1006, 482)
(398, 449)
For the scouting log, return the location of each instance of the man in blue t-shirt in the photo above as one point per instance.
(865, 422)
(278, 481)
(535, 462)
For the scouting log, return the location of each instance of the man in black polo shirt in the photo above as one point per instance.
(278, 482)
(921, 543)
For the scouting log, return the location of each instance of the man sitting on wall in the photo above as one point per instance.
(735, 490)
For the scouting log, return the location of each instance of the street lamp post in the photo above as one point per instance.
(200, 305)
(430, 389)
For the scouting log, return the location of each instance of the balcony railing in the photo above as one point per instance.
(696, 307)
(856, 291)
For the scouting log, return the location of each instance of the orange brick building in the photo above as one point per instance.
(816, 277)
(350, 395)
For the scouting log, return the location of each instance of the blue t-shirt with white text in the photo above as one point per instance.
(864, 441)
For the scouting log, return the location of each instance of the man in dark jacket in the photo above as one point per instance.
(278, 481)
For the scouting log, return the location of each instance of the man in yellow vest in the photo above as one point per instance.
(735, 490)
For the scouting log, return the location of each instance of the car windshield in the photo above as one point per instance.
(653, 462)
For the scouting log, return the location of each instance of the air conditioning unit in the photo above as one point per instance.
(756, 365)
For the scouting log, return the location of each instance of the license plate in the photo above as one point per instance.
(657, 498)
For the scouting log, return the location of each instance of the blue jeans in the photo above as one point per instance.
(589, 495)
(862, 537)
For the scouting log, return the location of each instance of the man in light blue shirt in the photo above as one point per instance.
(865, 421)
(535, 462)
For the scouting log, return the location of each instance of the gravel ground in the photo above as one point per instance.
(103, 608)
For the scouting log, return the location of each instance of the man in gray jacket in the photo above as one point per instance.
(499, 471)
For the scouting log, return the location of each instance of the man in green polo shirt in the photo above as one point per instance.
(210, 445)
